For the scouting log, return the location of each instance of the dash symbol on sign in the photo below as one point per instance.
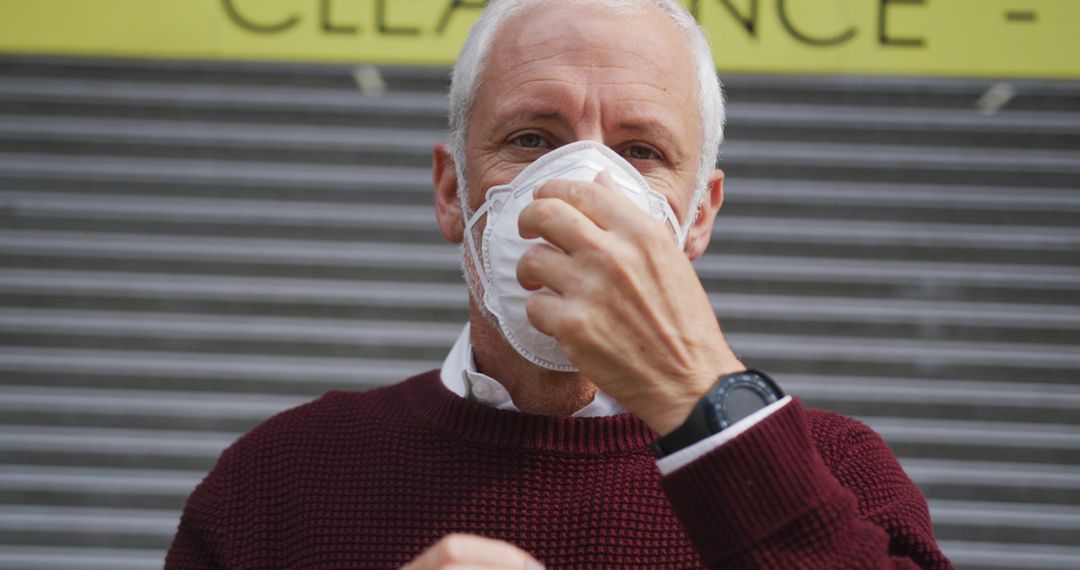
(1020, 16)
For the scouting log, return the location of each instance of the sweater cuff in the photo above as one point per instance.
(683, 457)
(740, 493)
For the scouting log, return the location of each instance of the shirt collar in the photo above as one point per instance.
(459, 375)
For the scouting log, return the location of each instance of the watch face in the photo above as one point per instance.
(740, 395)
(741, 401)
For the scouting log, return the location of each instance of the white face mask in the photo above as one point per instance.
(503, 246)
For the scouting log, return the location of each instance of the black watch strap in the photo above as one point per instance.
(711, 414)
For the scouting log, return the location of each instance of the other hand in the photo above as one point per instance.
(463, 551)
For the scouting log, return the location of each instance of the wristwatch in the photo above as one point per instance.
(730, 399)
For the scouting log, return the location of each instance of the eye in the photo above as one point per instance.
(529, 140)
(642, 152)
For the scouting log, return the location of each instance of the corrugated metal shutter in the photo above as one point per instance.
(188, 248)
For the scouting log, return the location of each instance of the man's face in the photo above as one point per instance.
(563, 73)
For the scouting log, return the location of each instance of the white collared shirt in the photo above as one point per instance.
(459, 375)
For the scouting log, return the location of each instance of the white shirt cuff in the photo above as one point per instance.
(683, 457)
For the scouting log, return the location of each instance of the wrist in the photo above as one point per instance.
(668, 410)
(730, 399)
(671, 417)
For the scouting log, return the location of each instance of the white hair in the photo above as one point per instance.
(470, 65)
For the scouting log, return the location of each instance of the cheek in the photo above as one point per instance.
(487, 170)
(677, 188)
(481, 172)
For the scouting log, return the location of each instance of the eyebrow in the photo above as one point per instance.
(528, 113)
(651, 126)
(639, 125)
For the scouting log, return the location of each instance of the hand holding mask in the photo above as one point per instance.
(581, 276)
(502, 245)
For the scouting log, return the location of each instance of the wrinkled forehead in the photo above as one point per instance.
(638, 36)
(618, 56)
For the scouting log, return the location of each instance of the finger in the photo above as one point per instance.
(543, 310)
(602, 201)
(605, 179)
(545, 266)
(467, 550)
(559, 223)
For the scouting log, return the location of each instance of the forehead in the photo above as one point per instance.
(575, 53)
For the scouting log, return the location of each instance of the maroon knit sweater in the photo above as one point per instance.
(369, 480)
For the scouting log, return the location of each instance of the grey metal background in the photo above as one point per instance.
(188, 248)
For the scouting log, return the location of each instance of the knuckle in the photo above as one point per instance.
(620, 264)
(606, 265)
(577, 194)
(608, 257)
(547, 188)
(532, 260)
(617, 256)
(528, 260)
(593, 288)
(533, 308)
(642, 233)
(574, 324)
(544, 211)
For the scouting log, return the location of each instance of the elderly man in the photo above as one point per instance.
(592, 415)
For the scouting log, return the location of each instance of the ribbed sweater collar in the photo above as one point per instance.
(451, 414)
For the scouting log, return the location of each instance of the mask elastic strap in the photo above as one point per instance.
(660, 205)
(471, 243)
(680, 231)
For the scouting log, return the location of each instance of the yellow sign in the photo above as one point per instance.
(1004, 38)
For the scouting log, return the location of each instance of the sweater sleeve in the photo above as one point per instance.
(200, 538)
(767, 499)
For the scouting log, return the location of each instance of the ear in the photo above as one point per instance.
(701, 230)
(447, 203)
